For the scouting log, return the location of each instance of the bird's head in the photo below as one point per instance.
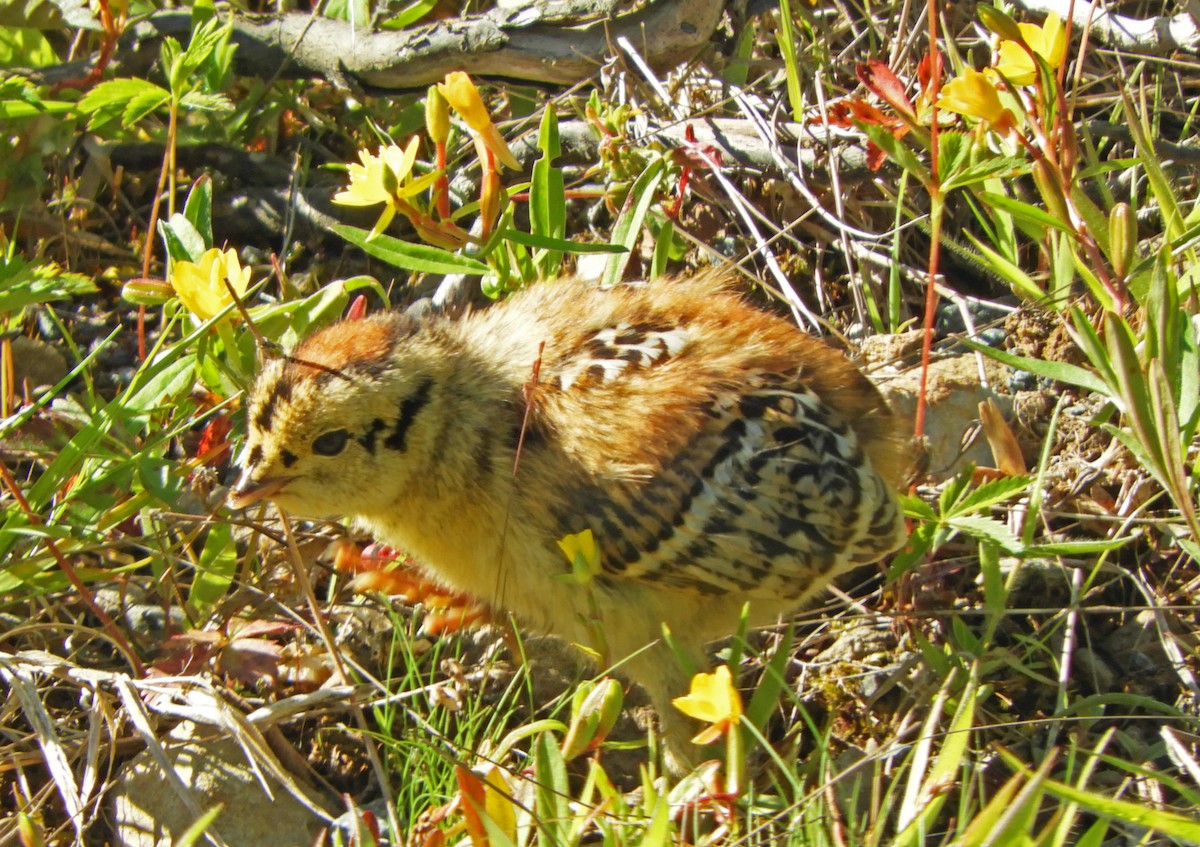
(332, 426)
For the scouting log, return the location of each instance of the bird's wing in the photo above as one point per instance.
(771, 497)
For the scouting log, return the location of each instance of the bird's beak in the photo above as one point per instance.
(249, 491)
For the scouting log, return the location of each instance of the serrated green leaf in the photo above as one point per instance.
(108, 99)
(198, 101)
(410, 257)
(141, 105)
(989, 494)
(986, 529)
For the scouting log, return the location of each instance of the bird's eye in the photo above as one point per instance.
(330, 443)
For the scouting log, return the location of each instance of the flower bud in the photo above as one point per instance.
(437, 115)
(1052, 193)
(595, 714)
(147, 292)
(1122, 238)
(1000, 23)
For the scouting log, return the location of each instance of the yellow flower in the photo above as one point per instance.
(714, 700)
(380, 179)
(1048, 41)
(974, 95)
(463, 97)
(201, 285)
(583, 553)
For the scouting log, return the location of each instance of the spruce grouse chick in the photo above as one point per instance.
(719, 455)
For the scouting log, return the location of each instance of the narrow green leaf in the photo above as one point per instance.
(1160, 183)
(553, 790)
(1061, 371)
(1089, 341)
(1076, 548)
(1024, 211)
(217, 567)
(1010, 272)
(410, 257)
(628, 227)
(409, 15)
(546, 243)
(787, 49)
(547, 194)
(1173, 824)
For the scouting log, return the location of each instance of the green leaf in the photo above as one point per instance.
(628, 227)
(986, 529)
(1172, 824)
(547, 194)
(787, 49)
(989, 494)
(205, 39)
(410, 257)
(553, 790)
(198, 101)
(1076, 548)
(897, 151)
(1010, 272)
(183, 242)
(109, 98)
(766, 696)
(1024, 211)
(1061, 371)
(544, 242)
(48, 14)
(160, 384)
(217, 567)
(409, 15)
(25, 47)
(14, 110)
(982, 171)
(22, 284)
(198, 209)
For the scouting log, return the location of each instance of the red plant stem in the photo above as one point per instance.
(72, 575)
(443, 183)
(112, 32)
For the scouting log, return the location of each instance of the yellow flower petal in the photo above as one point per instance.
(581, 544)
(712, 699)
(380, 176)
(1048, 41)
(201, 285)
(463, 97)
(974, 95)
